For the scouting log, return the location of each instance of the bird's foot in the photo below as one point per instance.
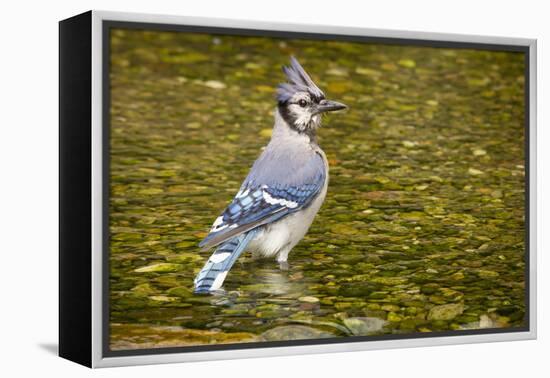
(283, 265)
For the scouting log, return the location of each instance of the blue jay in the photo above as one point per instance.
(284, 190)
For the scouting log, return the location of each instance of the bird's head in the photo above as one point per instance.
(301, 102)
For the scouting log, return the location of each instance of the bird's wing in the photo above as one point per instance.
(255, 205)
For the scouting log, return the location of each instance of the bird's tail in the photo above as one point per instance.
(212, 275)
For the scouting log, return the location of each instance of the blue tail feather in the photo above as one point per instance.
(212, 275)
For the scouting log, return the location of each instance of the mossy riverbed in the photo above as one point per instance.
(423, 226)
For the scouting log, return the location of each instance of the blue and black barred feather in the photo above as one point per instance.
(214, 271)
(253, 207)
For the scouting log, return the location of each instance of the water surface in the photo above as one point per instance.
(423, 225)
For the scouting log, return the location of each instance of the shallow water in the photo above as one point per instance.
(423, 226)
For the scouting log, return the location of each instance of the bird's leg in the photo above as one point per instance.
(282, 257)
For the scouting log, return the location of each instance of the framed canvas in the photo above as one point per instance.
(378, 191)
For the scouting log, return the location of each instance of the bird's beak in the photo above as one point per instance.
(329, 106)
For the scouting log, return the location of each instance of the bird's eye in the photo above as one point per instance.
(302, 103)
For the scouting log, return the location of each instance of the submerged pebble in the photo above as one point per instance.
(446, 311)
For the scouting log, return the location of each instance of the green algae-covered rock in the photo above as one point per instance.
(294, 332)
(364, 326)
(160, 268)
(446, 312)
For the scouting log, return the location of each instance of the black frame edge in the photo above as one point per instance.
(75, 194)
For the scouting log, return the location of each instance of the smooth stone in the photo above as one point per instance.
(393, 317)
(160, 267)
(144, 289)
(308, 299)
(294, 332)
(446, 311)
(487, 274)
(475, 172)
(407, 63)
(180, 291)
(364, 326)
(214, 84)
(390, 307)
(163, 298)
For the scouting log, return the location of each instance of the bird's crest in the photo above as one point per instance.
(298, 81)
